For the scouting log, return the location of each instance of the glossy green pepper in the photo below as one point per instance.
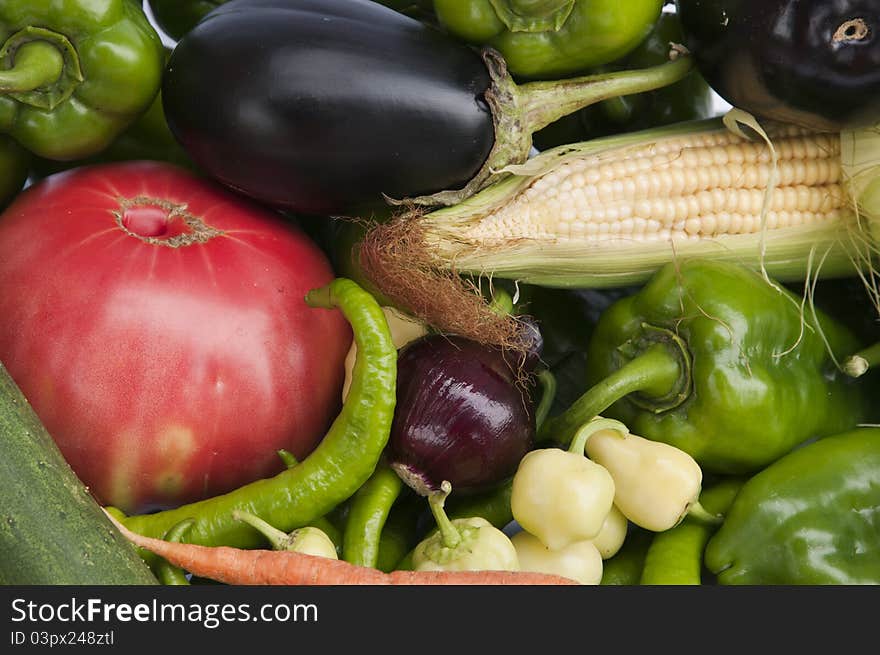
(812, 517)
(720, 362)
(149, 137)
(14, 162)
(688, 99)
(544, 39)
(74, 75)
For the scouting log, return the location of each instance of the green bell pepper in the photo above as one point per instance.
(720, 362)
(149, 137)
(812, 517)
(544, 39)
(688, 99)
(14, 163)
(75, 74)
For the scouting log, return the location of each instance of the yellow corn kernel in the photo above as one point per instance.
(704, 185)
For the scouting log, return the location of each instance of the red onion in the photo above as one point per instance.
(461, 416)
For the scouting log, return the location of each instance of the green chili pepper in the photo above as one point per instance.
(369, 510)
(675, 557)
(14, 163)
(625, 568)
(333, 472)
(166, 573)
(553, 38)
(322, 523)
(74, 75)
(720, 362)
(688, 99)
(808, 518)
(400, 534)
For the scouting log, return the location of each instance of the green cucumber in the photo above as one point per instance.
(52, 532)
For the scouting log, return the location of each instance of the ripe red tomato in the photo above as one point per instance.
(157, 324)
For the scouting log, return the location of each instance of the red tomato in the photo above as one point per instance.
(157, 324)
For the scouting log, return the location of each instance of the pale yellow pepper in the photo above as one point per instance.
(613, 533)
(309, 540)
(469, 544)
(655, 484)
(580, 561)
(561, 496)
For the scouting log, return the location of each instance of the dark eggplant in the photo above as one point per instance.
(461, 416)
(814, 63)
(334, 107)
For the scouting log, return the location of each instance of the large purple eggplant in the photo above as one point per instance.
(811, 62)
(334, 106)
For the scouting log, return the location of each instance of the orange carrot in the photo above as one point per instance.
(238, 566)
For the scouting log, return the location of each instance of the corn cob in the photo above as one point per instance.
(609, 212)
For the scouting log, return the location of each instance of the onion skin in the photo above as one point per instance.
(461, 416)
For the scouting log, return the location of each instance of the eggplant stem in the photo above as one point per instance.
(543, 103)
(520, 110)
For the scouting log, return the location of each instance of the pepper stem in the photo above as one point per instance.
(278, 539)
(699, 513)
(656, 371)
(288, 458)
(579, 442)
(543, 103)
(37, 64)
(858, 364)
(451, 536)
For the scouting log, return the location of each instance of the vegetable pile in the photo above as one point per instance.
(406, 292)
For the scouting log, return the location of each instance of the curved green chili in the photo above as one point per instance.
(675, 557)
(166, 573)
(322, 523)
(400, 534)
(367, 515)
(333, 472)
(625, 568)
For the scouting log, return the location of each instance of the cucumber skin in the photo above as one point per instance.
(52, 532)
